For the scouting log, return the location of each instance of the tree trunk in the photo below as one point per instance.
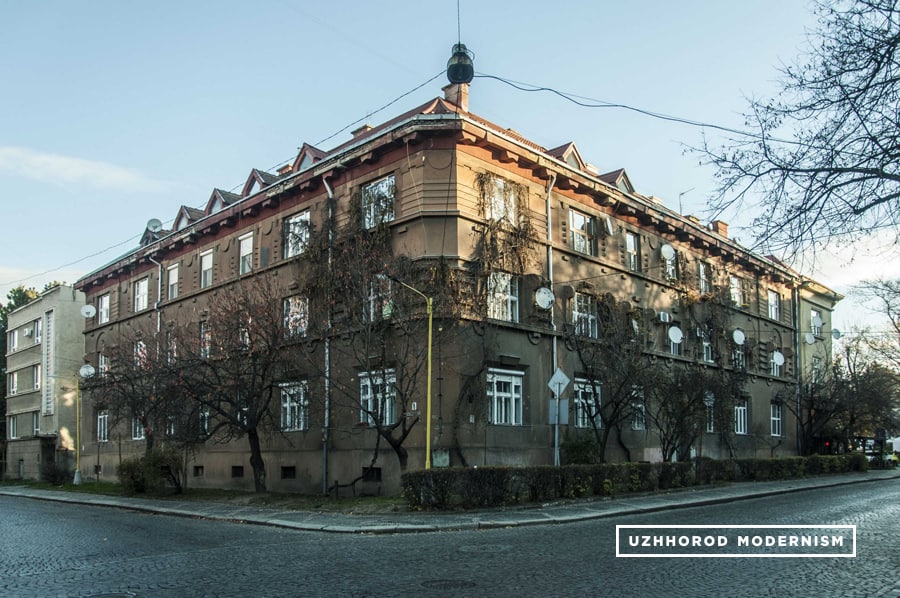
(256, 461)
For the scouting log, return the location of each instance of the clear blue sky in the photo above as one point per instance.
(112, 113)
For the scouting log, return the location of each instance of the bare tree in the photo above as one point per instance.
(887, 295)
(820, 163)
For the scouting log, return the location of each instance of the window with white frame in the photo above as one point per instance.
(638, 409)
(704, 274)
(706, 347)
(205, 340)
(172, 281)
(296, 316)
(36, 375)
(632, 252)
(170, 426)
(815, 374)
(296, 234)
(380, 305)
(501, 202)
(38, 328)
(671, 267)
(13, 382)
(775, 368)
(584, 315)
(36, 423)
(736, 289)
(738, 358)
(12, 428)
(206, 269)
(740, 417)
(587, 404)
(774, 300)
(102, 364)
(504, 395)
(245, 253)
(815, 321)
(141, 359)
(377, 393)
(581, 230)
(141, 294)
(378, 201)
(103, 308)
(12, 341)
(203, 421)
(709, 402)
(294, 406)
(103, 425)
(776, 416)
(137, 428)
(503, 297)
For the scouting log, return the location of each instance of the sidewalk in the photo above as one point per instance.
(412, 522)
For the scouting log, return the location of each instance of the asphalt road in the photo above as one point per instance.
(55, 549)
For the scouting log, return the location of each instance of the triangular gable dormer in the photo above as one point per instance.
(619, 179)
(257, 181)
(306, 157)
(186, 217)
(569, 154)
(219, 200)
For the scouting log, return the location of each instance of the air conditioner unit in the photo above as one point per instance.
(665, 317)
(28, 332)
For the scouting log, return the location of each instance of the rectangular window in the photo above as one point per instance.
(296, 234)
(205, 340)
(237, 471)
(36, 375)
(245, 253)
(137, 429)
(38, 327)
(203, 422)
(776, 363)
(503, 297)
(632, 252)
(13, 379)
(103, 308)
(710, 402)
(815, 374)
(378, 201)
(738, 360)
(380, 304)
(12, 341)
(140, 354)
(736, 289)
(674, 348)
(141, 294)
(638, 410)
(103, 426)
(505, 399)
(170, 426)
(815, 320)
(206, 269)
(296, 316)
(774, 305)
(704, 274)
(584, 315)
(581, 229)
(587, 404)
(740, 417)
(775, 409)
(501, 202)
(102, 364)
(172, 281)
(671, 267)
(294, 406)
(13, 427)
(36, 422)
(377, 392)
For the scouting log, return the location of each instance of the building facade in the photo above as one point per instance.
(44, 352)
(673, 340)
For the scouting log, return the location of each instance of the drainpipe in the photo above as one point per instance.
(553, 358)
(330, 192)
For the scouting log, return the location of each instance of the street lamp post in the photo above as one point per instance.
(430, 311)
(86, 371)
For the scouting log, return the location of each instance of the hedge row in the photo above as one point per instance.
(480, 487)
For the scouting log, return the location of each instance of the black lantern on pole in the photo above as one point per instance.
(460, 68)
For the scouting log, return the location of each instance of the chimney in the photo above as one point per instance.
(719, 227)
(457, 93)
(361, 131)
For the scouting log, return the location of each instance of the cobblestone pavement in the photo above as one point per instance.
(51, 548)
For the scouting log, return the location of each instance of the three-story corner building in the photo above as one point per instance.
(44, 352)
(535, 261)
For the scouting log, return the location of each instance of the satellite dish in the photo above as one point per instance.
(667, 251)
(778, 358)
(817, 321)
(810, 338)
(88, 311)
(836, 334)
(154, 225)
(676, 335)
(86, 371)
(738, 336)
